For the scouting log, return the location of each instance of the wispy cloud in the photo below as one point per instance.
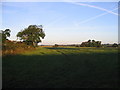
(92, 18)
(93, 6)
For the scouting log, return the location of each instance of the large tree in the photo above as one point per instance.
(32, 35)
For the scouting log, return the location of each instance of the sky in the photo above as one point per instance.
(64, 22)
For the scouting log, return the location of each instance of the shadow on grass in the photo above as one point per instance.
(62, 48)
(57, 71)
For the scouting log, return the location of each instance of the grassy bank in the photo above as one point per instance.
(51, 67)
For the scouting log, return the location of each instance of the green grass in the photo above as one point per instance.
(62, 67)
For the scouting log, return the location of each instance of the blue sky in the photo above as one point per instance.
(64, 22)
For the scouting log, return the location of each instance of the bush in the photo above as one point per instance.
(115, 45)
(12, 47)
(56, 45)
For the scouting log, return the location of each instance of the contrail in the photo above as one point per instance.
(92, 6)
(92, 18)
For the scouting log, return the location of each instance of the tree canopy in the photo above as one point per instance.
(32, 35)
(91, 43)
(5, 34)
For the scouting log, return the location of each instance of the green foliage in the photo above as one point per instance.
(90, 43)
(5, 34)
(115, 45)
(56, 45)
(32, 35)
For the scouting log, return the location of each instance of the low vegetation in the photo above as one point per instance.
(13, 48)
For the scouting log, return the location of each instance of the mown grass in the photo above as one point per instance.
(62, 67)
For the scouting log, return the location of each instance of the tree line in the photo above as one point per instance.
(91, 43)
(33, 34)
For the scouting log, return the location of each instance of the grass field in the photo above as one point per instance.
(62, 67)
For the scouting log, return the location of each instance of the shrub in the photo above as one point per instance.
(13, 47)
(56, 45)
(115, 45)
